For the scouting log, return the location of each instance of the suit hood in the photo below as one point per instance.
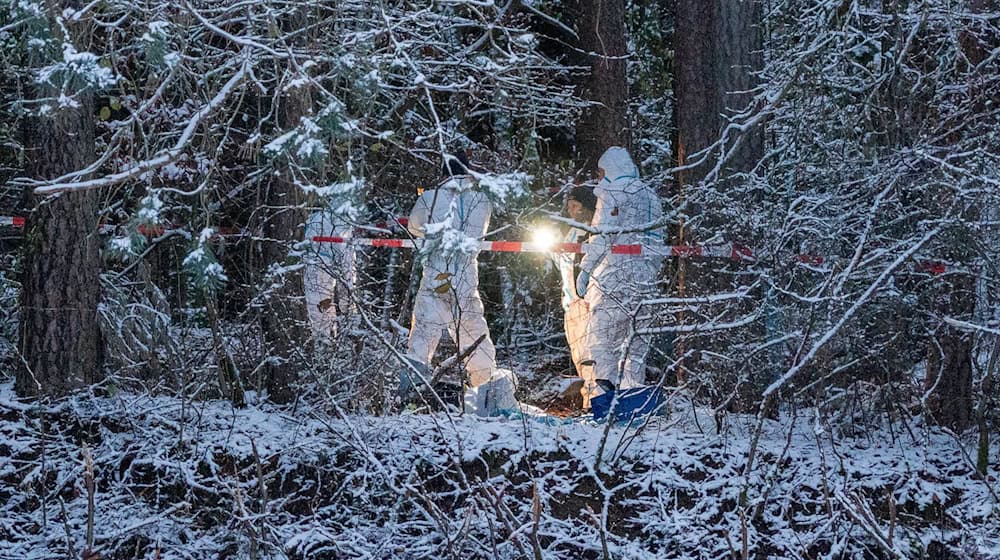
(617, 164)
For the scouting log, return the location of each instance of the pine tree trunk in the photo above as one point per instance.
(283, 321)
(949, 377)
(60, 342)
(600, 25)
(697, 99)
(717, 46)
(949, 359)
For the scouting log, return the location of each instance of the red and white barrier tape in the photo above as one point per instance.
(733, 251)
(728, 251)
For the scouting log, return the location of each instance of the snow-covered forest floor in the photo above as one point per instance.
(183, 479)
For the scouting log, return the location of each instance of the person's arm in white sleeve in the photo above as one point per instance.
(582, 280)
(564, 261)
(605, 216)
(419, 216)
(480, 216)
(655, 214)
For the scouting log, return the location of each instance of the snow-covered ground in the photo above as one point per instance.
(182, 479)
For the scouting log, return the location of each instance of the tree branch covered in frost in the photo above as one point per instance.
(478, 57)
(883, 131)
(158, 161)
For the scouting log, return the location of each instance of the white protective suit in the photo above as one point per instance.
(494, 397)
(618, 281)
(329, 274)
(575, 314)
(457, 215)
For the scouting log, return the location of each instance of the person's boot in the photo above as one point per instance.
(603, 386)
(595, 388)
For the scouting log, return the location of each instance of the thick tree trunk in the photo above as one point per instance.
(697, 98)
(600, 25)
(60, 342)
(949, 358)
(283, 321)
(717, 46)
(949, 378)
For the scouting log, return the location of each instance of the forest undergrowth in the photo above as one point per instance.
(173, 478)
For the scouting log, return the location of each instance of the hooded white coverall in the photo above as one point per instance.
(618, 281)
(458, 214)
(329, 274)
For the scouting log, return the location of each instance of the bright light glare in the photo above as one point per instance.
(545, 238)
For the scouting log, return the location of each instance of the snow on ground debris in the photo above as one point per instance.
(181, 479)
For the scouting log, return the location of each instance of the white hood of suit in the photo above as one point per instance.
(617, 164)
(624, 201)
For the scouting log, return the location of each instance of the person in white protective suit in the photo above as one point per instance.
(455, 217)
(580, 206)
(329, 274)
(628, 212)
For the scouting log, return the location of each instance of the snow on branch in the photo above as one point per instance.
(164, 157)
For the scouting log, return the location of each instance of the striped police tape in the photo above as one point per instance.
(728, 251)
(713, 251)
(732, 251)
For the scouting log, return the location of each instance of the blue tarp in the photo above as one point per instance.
(631, 404)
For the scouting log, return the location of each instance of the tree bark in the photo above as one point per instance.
(949, 377)
(949, 358)
(283, 321)
(59, 339)
(600, 25)
(717, 46)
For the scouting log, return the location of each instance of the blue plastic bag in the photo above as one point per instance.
(632, 403)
